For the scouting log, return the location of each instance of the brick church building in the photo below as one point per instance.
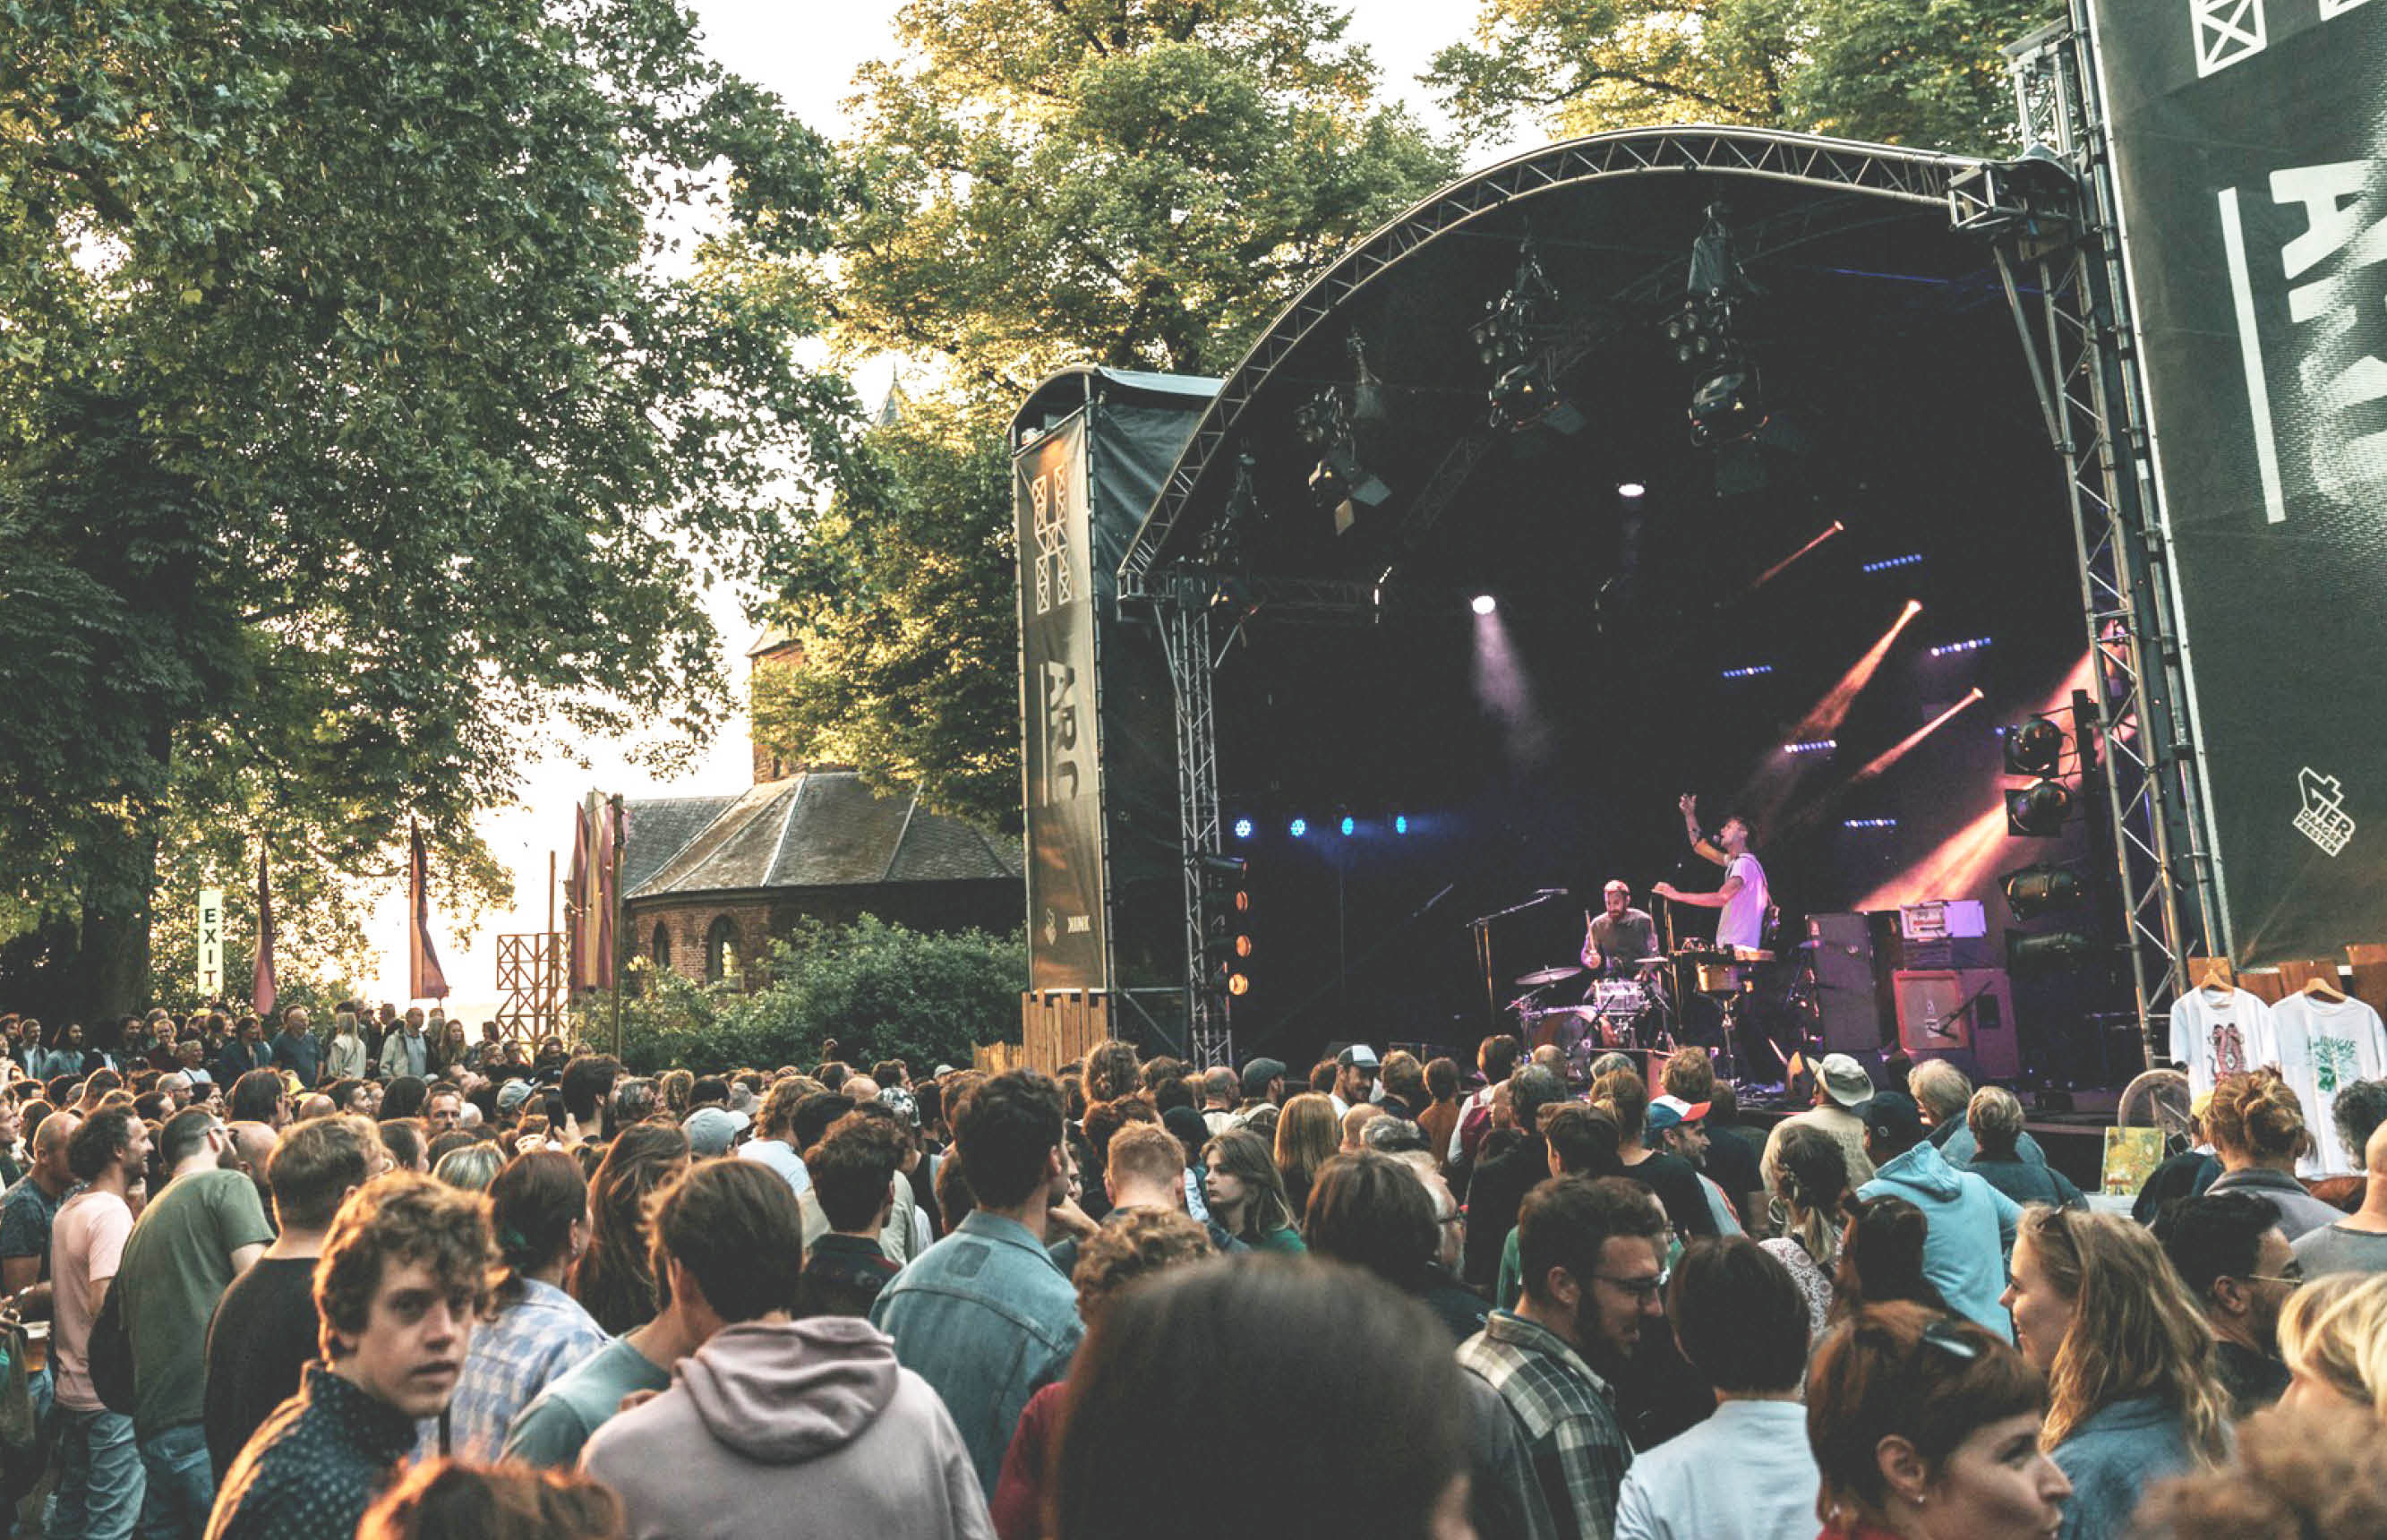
(707, 882)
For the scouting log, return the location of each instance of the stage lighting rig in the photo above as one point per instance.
(1727, 392)
(1338, 481)
(1226, 920)
(2034, 747)
(2038, 810)
(2041, 890)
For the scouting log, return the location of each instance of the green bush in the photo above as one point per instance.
(876, 991)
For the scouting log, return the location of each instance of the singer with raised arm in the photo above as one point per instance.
(1622, 938)
(1743, 897)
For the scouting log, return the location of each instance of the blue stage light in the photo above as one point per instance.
(1299, 827)
(1350, 824)
(1242, 828)
(1401, 823)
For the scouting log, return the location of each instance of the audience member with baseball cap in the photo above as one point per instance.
(1842, 1087)
(1354, 1077)
(1263, 1085)
(711, 1131)
(1972, 1224)
(1680, 1128)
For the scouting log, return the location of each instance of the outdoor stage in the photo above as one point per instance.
(1443, 602)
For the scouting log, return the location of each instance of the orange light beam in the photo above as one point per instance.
(1776, 571)
(1823, 720)
(1905, 746)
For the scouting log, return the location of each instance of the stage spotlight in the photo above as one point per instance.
(1298, 827)
(1338, 477)
(1727, 404)
(1350, 824)
(2033, 748)
(1811, 746)
(1401, 823)
(2038, 954)
(1242, 828)
(1238, 985)
(2036, 891)
(1485, 604)
(2038, 810)
(1525, 397)
(1630, 489)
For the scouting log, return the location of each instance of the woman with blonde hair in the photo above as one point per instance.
(2333, 1339)
(2128, 1359)
(1307, 1136)
(2258, 1129)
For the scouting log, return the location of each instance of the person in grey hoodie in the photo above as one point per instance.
(772, 1418)
(1972, 1223)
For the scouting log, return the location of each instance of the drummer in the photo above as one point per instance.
(1620, 938)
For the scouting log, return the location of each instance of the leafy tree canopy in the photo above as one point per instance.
(1920, 72)
(359, 415)
(1135, 183)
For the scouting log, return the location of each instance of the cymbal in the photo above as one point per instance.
(1547, 976)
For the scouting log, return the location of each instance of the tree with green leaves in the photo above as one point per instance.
(362, 419)
(1921, 72)
(1140, 183)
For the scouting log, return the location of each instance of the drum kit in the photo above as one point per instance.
(1635, 1012)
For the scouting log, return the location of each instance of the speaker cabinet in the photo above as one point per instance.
(1848, 984)
(1966, 1015)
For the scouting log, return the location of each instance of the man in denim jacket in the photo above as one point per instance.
(984, 1315)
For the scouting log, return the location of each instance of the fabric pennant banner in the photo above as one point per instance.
(424, 979)
(261, 990)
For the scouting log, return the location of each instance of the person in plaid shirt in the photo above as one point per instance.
(1592, 1250)
(539, 1209)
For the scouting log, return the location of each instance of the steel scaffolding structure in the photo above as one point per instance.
(2070, 298)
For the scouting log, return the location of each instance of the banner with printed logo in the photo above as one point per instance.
(2249, 147)
(1068, 946)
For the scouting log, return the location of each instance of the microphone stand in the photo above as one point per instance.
(1482, 926)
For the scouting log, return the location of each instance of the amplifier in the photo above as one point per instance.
(1960, 1013)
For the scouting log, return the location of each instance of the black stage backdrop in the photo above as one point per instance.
(2250, 139)
(1066, 919)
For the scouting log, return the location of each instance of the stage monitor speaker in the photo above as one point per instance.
(1960, 1013)
(1848, 982)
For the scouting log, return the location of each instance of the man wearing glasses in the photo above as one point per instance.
(1591, 1250)
(2229, 1250)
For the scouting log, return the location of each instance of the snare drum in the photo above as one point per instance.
(1618, 997)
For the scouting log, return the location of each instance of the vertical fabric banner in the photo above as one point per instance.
(614, 825)
(262, 990)
(211, 978)
(1068, 943)
(424, 979)
(577, 975)
(2250, 151)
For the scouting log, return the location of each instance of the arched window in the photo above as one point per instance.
(661, 950)
(721, 951)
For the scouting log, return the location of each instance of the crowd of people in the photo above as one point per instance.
(380, 1281)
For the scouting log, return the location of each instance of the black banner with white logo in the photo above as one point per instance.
(2250, 140)
(1066, 944)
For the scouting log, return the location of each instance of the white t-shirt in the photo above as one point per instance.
(2322, 1045)
(86, 1242)
(1746, 1473)
(1743, 921)
(781, 1157)
(2221, 1031)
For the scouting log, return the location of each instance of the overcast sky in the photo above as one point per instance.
(808, 55)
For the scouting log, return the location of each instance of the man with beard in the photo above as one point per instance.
(2229, 1250)
(1593, 1253)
